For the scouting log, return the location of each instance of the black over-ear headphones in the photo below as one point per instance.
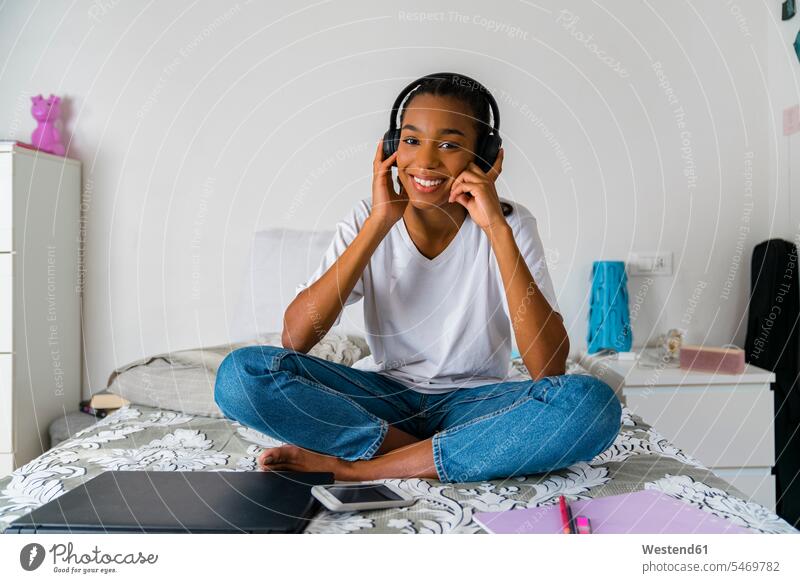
(488, 148)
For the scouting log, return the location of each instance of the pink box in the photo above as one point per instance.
(712, 359)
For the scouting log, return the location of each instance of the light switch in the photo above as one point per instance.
(649, 264)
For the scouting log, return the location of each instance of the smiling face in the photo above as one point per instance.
(437, 141)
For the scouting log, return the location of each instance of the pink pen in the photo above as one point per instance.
(583, 526)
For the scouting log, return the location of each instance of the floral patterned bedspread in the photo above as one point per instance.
(138, 437)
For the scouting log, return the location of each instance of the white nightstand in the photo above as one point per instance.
(725, 421)
(40, 300)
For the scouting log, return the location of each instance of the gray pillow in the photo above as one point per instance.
(184, 380)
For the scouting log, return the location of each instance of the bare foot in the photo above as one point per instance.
(296, 459)
(411, 461)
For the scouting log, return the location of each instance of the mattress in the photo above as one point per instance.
(142, 437)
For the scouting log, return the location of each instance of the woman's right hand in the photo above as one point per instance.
(388, 206)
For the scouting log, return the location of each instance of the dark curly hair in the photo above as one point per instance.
(466, 93)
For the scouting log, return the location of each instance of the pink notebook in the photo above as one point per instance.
(645, 512)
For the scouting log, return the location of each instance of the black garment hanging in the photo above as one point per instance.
(773, 333)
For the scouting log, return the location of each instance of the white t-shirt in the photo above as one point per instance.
(435, 325)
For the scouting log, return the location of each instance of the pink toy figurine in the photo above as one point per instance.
(46, 136)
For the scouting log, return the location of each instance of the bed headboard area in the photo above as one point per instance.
(279, 260)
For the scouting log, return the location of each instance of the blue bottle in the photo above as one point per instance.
(609, 316)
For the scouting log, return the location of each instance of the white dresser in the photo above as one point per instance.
(40, 340)
(725, 421)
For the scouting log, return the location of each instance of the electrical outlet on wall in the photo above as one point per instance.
(791, 120)
(649, 263)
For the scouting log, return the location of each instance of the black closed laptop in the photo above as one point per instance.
(180, 502)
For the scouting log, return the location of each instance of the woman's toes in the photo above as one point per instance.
(270, 455)
(284, 454)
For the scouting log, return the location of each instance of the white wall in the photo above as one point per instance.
(199, 123)
(784, 92)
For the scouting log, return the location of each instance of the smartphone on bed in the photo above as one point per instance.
(360, 496)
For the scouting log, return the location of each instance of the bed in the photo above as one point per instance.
(172, 424)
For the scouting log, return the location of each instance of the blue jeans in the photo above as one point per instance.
(479, 433)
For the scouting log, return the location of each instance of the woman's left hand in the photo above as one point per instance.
(484, 205)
